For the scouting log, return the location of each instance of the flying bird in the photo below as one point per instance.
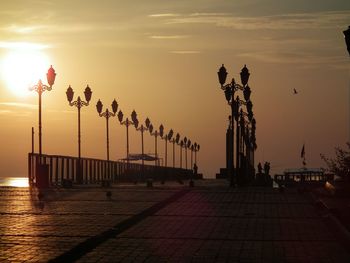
(295, 91)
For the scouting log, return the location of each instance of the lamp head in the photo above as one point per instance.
(114, 106)
(177, 138)
(244, 75)
(222, 74)
(150, 128)
(51, 75)
(147, 122)
(161, 130)
(87, 93)
(120, 116)
(70, 94)
(134, 116)
(170, 134)
(246, 93)
(99, 106)
(228, 94)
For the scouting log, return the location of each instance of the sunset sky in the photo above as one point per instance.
(161, 58)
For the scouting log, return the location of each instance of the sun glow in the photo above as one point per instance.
(22, 68)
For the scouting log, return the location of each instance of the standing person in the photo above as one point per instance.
(259, 168)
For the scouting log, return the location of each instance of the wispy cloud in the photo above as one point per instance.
(170, 37)
(164, 15)
(319, 20)
(299, 58)
(22, 45)
(182, 52)
(19, 104)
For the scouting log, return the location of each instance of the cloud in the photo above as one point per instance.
(164, 15)
(22, 45)
(294, 57)
(182, 52)
(318, 20)
(19, 105)
(170, 37)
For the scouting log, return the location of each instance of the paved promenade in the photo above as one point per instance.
(170, 223)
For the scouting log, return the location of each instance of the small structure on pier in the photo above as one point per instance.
(303, 175)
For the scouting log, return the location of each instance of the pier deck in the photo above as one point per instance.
(207, 223)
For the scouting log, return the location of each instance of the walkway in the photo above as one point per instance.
(171, 223)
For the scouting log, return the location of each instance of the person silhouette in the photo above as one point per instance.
(266, 168)
(259, 168)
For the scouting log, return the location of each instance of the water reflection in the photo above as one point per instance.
(14, 181)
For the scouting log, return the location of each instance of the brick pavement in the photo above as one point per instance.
(211, 223)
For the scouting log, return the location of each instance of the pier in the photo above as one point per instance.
(210, 222)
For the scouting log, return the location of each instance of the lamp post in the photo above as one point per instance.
(196, 149)
(142, 129)
(175, 141)
(127, 123)
(40, 88)
(169, 137)
(155, 134)
(347, 39)
(161, 134)
(181, 144)
(107, 114)
(185, 146)
(79, 103)
(229, 90)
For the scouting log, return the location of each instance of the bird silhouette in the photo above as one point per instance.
(295, 91)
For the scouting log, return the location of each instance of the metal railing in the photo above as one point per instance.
(93, 171)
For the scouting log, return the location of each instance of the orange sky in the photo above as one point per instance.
(161, 58)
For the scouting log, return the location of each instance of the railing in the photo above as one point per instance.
(93, 171)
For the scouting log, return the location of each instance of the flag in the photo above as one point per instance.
(302, 155)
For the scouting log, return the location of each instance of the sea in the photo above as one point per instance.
(14, 182)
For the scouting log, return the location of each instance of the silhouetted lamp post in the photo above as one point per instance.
(142, 129)
(196, 149)
(176, 140)
(181, 144)
(127, 123)
(40, 88)
(229, 90)
(107, 114)
(347, 38)
(79, 104)
(170, 136)
(155, 134)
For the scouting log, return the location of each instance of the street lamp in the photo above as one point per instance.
(40, 88)
(155, 134)
(127, 123)
(181, 144)
(196, 149)
(174, 141)
(79, 104)
(229, 91)
(142, 129)
(347, 38)
(107, 114)
(170, 135)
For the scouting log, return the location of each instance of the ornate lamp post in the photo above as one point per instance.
(347, 39)
(40, 88)
(185, 146)
(181, 144)
(155, 134)
(142, 129)
(107, 114)
(127, 123)
(175, 141)
(79, 104)
(196, 149)
(229, 90)
(161, 134)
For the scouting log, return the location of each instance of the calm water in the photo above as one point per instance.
(14, 181)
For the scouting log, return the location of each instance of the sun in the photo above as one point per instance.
(22, 68)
